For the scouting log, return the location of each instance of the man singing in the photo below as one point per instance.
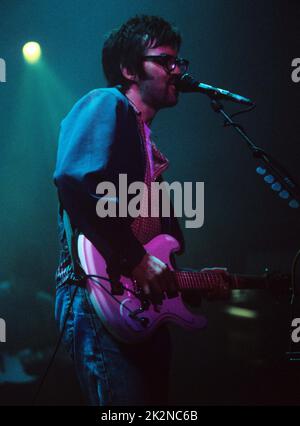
(107, 133)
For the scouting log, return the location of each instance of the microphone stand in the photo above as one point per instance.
(274, 173)
(280, 182)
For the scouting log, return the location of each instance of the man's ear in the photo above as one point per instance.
(129, 75)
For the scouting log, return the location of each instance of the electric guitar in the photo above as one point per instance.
(126, 311)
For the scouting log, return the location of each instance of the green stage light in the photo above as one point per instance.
(241, 312)
(32, 52)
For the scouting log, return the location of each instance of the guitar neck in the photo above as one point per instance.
(210, 280)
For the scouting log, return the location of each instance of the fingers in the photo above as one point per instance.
(146, 288)
(155, 278)
(156, 292)
(164, 282)
(170, 286)
(217, 269)
(152, 290)
(156, 282)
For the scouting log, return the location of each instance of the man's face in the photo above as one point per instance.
(157, 85)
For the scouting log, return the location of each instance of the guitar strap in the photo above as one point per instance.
(72, 237)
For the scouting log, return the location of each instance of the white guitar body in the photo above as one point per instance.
(122, 315)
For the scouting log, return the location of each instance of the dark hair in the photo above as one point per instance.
(126, 45)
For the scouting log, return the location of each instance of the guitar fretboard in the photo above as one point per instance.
(188, 280)
(210, 280)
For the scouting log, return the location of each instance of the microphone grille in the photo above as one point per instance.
(186, 83)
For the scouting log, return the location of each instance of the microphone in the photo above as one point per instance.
(187, 84)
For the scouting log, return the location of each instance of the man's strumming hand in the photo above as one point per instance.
(154, 277)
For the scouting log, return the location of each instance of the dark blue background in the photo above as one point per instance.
(241, 45)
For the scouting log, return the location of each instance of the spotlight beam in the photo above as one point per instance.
(32, 52)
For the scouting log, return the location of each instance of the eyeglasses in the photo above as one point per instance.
(169, 62)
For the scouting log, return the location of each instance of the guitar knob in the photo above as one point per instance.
(144, 321)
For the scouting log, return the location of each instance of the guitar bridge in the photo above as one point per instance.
(144, 306)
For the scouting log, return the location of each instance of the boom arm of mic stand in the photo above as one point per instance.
(271, 164)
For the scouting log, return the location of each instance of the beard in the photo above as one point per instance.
(159, 94)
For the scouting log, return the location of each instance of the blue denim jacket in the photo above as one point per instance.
(100, 139)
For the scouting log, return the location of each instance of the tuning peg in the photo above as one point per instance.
(284, 194)
(294, 204)
(260, 170)
(276, 186)
(269, 179)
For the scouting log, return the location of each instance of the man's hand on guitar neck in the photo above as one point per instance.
(154, 277)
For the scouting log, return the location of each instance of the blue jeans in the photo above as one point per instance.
(110, 372)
